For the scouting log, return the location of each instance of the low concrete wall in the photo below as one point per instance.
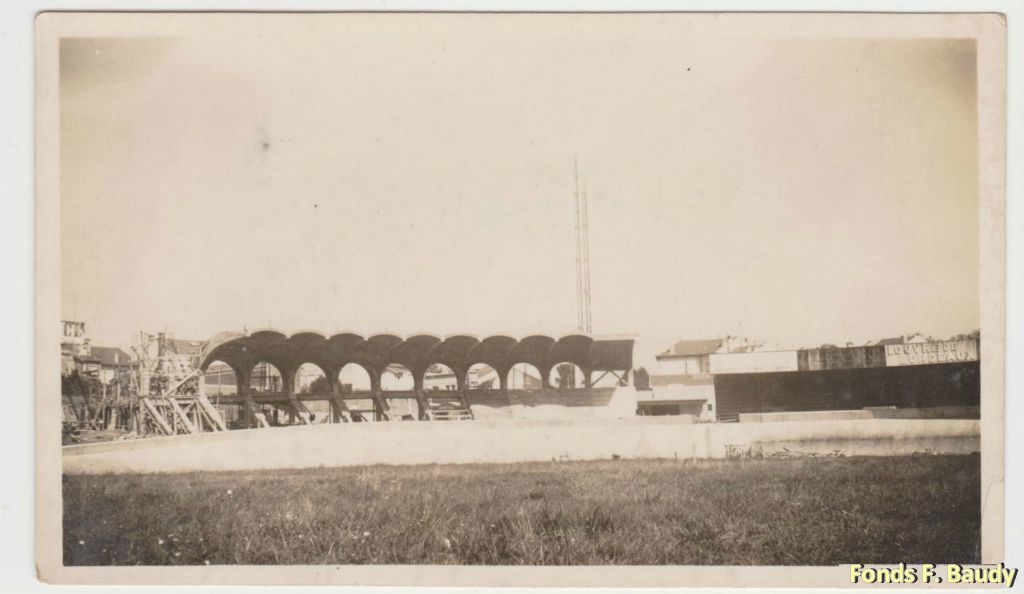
(818, 415)
(881, 412)
(595, 403)
(937, 412)
(510, 441)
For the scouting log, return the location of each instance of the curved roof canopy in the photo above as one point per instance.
(417, 352)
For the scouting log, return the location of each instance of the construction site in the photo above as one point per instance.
(157, 390)
(369, 299)
(242, 380)
(267, 378)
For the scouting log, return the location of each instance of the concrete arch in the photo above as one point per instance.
(345, 341)
(355, 378)
(304, 381)
(413, 353)
(574, 348)
(453, 351)
(214, 376)
(266, 378)
(457, 351)
(523, 375)
(376, 349)
(397, 377)
(493, 350)
(481, 376)
(339, 350)
(440, 377)
(566, 375)
(533, 350)
(243, 352)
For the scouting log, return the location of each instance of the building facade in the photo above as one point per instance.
(909, 372)
(681, 383)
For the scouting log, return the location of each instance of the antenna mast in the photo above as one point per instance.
(582, 255)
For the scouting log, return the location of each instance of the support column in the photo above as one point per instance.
(288, 387)
(338, 409)
(337, 403)
(296, 406)
(421, 400)
(461, 379)
(545, 377)
(380, 404)
(503, 378)
(248, 410)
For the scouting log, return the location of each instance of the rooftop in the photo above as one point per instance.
(111, 356)
(691, 348)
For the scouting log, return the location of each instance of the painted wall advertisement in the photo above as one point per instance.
(925, 353)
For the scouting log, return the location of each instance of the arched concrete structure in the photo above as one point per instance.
(307, 379)
(354, 378)
(481, 376)
(418, 352)
(220, 374)
(397, 377)
(566, 375)
(267, 378)
(523, 375)
(440, 377)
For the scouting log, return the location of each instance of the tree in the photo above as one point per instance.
(86, 387)
(317, 386)
(641, 379)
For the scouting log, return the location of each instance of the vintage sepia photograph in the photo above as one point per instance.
(383, 291)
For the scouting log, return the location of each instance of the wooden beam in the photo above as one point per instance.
(180, 414)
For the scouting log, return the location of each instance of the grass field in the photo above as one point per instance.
(806, 511)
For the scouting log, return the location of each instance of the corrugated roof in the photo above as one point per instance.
(690, 348)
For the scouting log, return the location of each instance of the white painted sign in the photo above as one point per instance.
(761, 362)
(73, 332)
(925, 353)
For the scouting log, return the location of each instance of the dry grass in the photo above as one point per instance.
(796, 511)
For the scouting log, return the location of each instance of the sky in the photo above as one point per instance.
(417, 176)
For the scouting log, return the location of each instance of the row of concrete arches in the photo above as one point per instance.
(309, 378)
(417, 353)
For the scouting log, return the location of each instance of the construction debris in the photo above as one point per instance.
(756, 450)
